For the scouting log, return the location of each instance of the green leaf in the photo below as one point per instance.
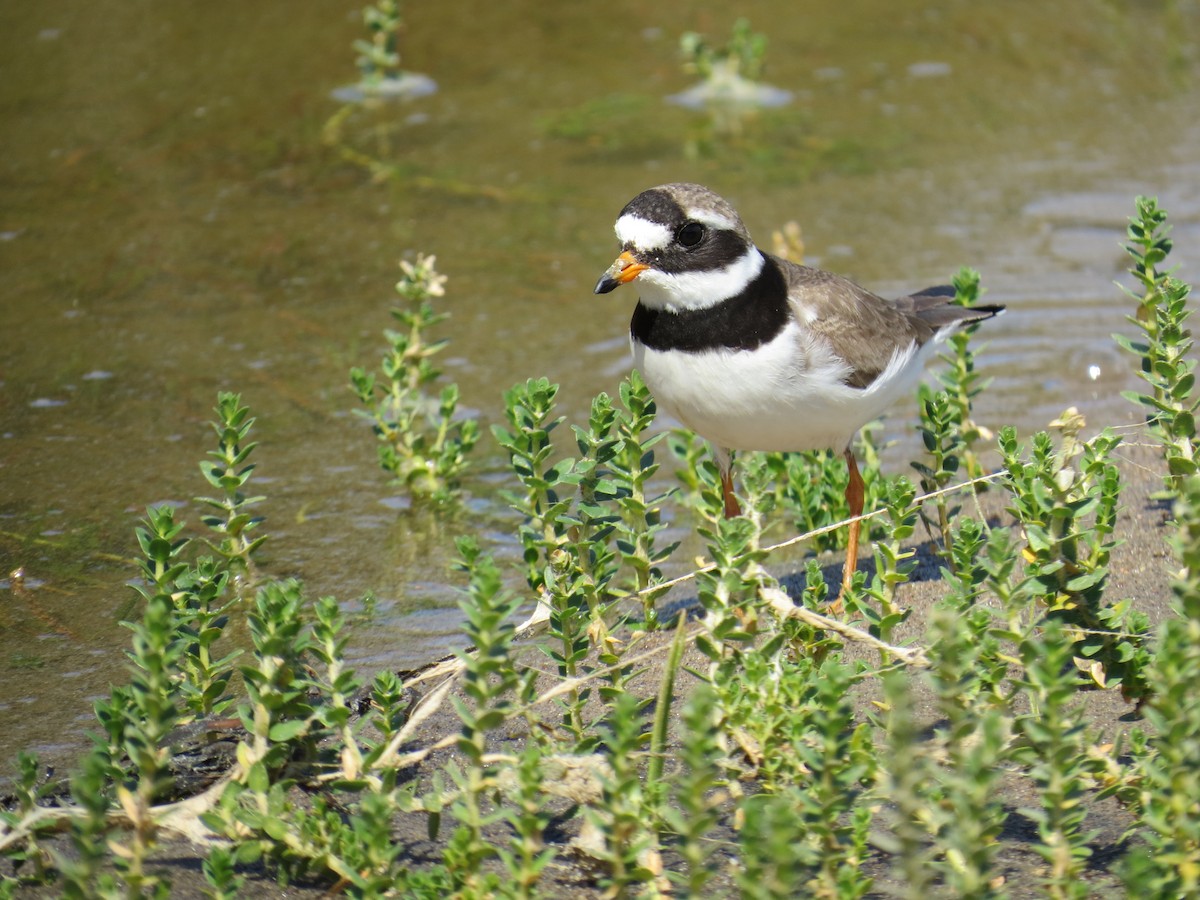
(257, 778)
(248, 853)
(283, 732)
(1088, 580)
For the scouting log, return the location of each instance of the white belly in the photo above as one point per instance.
(786, 395)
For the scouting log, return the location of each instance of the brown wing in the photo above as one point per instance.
(862, 328)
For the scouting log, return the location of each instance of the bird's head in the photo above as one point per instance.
(686, 247)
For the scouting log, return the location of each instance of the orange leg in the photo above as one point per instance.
(732, 508)
(855, 494)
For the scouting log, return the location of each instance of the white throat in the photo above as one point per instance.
(699, 290)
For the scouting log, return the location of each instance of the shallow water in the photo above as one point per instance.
(171, 224)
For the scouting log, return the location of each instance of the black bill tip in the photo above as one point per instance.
(606, 283)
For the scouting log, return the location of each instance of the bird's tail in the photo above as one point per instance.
(933, 307)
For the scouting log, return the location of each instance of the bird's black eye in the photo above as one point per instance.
(690, 234)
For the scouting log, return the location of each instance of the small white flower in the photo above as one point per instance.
(421, 278)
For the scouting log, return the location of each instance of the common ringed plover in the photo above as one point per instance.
(753, 352)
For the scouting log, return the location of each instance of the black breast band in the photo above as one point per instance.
(743, 322)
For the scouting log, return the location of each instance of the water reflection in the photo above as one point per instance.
(174, 225)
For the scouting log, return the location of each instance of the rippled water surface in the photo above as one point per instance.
(177, 218)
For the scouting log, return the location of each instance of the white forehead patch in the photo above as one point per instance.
(641, 233)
